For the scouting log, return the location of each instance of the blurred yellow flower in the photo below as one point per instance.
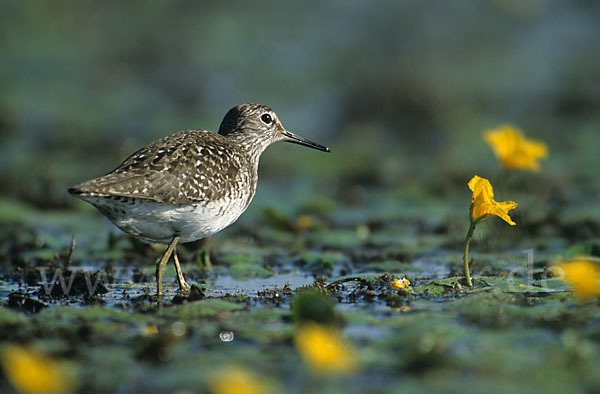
(32, 372)
(399, 284)
(150, 330)
(514, 150)
(304, 221)
(483, 204)
(236, 380)
(583, 276)
(324, 350)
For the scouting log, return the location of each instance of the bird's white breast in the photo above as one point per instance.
(160, 222)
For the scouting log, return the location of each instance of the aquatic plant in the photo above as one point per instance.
(483, 206)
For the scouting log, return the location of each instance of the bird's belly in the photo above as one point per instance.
(160, 222)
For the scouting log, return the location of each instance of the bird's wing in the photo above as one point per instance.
(187, 167)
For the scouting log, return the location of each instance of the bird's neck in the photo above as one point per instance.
(251, 144)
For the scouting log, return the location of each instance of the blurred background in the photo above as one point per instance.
(400, 91)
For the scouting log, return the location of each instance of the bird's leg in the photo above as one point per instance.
(183, 286)
(162, 264)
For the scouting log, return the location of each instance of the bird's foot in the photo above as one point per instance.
(184, 288)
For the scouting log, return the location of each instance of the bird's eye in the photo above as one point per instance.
(266, 118)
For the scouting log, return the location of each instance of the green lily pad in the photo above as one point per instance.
(335, 238)
(367, 276)
(524, 285)
(15, 211)
(243, 271)
(590, 248)
(11, 317)
(389, 266)
(89, 314)
(241, 258)
(327, 257)
(430, 289)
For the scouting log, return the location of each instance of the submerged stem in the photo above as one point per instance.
(466, 255)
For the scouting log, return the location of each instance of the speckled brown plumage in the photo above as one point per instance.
(189, 167)
(190, 184)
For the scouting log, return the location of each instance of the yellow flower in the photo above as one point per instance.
(483, 204)
(31, 372)
(399, 284)
(304, 221)
(149, 330)
(323, 350)
(583, 275)
(514, 150)
(236, 380)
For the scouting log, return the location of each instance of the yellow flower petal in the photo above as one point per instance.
(32, 372)
(514, 150)
(399, 284)
(323, 350)
(236, 380)
(483, 204)
(583, 276)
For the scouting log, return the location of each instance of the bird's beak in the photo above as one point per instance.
(296, 139)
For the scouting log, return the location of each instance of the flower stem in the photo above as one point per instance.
(466, 256)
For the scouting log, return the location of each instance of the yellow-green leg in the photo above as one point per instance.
(183, 286)
(162, 264)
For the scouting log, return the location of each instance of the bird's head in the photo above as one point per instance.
(260, 125)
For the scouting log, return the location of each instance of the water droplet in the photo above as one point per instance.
(226, 336)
